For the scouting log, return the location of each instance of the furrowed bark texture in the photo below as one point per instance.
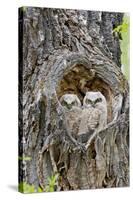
(71, 51)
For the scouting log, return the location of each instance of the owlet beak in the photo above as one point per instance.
(93, 104)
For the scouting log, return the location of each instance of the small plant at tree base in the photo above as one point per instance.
(53, 182)
(27, 188)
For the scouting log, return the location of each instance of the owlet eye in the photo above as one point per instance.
(73, 103)
(88, 101)
(98, 100)
(64, 103)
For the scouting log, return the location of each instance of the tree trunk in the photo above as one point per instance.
(70, 51)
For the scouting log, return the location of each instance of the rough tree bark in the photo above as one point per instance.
(73, 51)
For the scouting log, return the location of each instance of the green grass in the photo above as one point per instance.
(27, 188)
(53, 180)
(30, 188)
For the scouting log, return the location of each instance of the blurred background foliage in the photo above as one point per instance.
(124, 30)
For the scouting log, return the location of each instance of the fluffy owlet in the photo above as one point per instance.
(73, 110)
(94, 114)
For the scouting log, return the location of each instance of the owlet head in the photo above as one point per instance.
(69, 101)
(93, 99)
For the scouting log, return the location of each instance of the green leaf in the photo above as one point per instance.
(39, 189)
(25, 158)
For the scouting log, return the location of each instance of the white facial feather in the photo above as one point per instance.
(70, 100)
(94, 99)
